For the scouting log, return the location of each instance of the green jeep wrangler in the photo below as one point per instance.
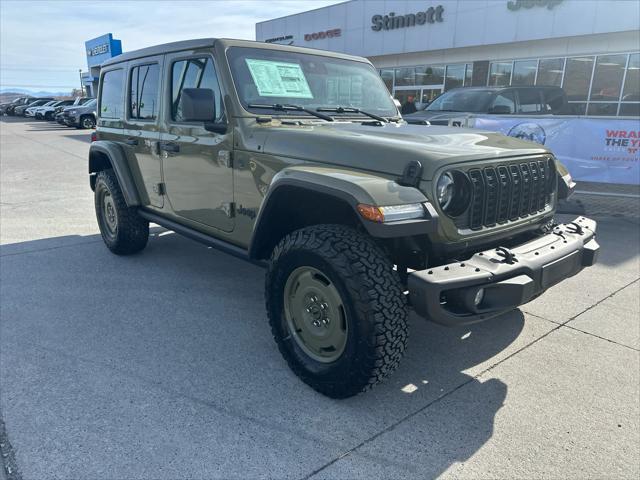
(297, 159)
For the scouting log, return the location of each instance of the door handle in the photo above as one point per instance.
(131, 141)
(169, 147)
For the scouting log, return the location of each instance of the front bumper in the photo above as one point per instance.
(448, 294)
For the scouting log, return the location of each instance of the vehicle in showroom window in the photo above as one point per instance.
(298, 160)
(522, 100)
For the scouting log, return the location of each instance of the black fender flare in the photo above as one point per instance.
(351, 188)
(118, 161)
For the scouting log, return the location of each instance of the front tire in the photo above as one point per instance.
(124, 232)
(86, 122)
(336, 309)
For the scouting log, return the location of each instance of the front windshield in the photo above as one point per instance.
(462, 100)
(266, 77)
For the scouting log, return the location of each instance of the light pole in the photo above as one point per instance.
(81, 86)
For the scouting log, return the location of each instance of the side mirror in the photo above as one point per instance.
(197, 105)
(500, 110)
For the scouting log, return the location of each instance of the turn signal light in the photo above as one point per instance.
(94, 136)
(371, 213)
(393, 213)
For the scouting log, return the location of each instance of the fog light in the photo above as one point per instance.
(477, 300)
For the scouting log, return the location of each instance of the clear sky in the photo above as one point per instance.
(42, 42)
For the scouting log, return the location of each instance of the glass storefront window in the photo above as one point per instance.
(468, 75)
(430, 75)
(594, 85)
(603, 109)
(455, 76)
(607, 78)
(405, 76)
(577, 77)
(500, 74)
(387, 78)
(524, 72)
(550, 72)
(630, 110)
(631, 92)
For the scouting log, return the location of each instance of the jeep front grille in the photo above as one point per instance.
(508, 192)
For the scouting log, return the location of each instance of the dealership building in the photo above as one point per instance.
(590, 48)
(98, 50)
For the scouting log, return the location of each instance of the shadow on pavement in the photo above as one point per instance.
(190, 321)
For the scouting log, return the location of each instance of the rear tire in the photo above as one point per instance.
(124, 232)
(360, 284)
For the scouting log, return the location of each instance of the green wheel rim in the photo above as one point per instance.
(109, 214)
(315, 314)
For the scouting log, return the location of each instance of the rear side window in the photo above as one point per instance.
(554, 100)
(505, 99)
(530, 101)
(143, 97)
(194, 73)
(111, 95)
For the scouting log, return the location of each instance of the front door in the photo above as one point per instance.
(141, 133)
(406, 97)
(196, 163)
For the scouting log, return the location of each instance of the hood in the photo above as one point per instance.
(388, 148)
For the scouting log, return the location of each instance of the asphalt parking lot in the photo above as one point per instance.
(161, 365)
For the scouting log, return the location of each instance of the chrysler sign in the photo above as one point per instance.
(393, 21)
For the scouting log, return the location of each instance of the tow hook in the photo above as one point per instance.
(573, 227)
(507, 255)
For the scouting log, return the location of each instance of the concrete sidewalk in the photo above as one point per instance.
(161, 365)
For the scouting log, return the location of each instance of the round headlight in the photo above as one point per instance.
(445, 190)
(453, 192)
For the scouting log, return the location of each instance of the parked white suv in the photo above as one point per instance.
(46, 112)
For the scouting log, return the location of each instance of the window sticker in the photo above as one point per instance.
(278, 79)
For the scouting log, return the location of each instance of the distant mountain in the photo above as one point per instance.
(24, 91)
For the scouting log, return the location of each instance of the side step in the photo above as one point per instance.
(207, 240)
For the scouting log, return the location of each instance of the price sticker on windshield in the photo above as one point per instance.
(278, 79)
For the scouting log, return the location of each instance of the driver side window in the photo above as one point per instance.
(194, 73)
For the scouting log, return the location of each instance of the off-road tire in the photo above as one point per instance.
(131, 232)
(376, 308)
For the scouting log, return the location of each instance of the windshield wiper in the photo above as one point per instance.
(278, 107)
(352, 110)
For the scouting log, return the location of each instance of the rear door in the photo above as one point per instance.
(110, 111)
(196, 163)
(141, 126)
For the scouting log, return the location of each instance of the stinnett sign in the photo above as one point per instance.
(393, 21)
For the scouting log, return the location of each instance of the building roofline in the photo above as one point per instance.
(306, 11)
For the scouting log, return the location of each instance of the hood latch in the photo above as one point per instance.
(411, 175)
